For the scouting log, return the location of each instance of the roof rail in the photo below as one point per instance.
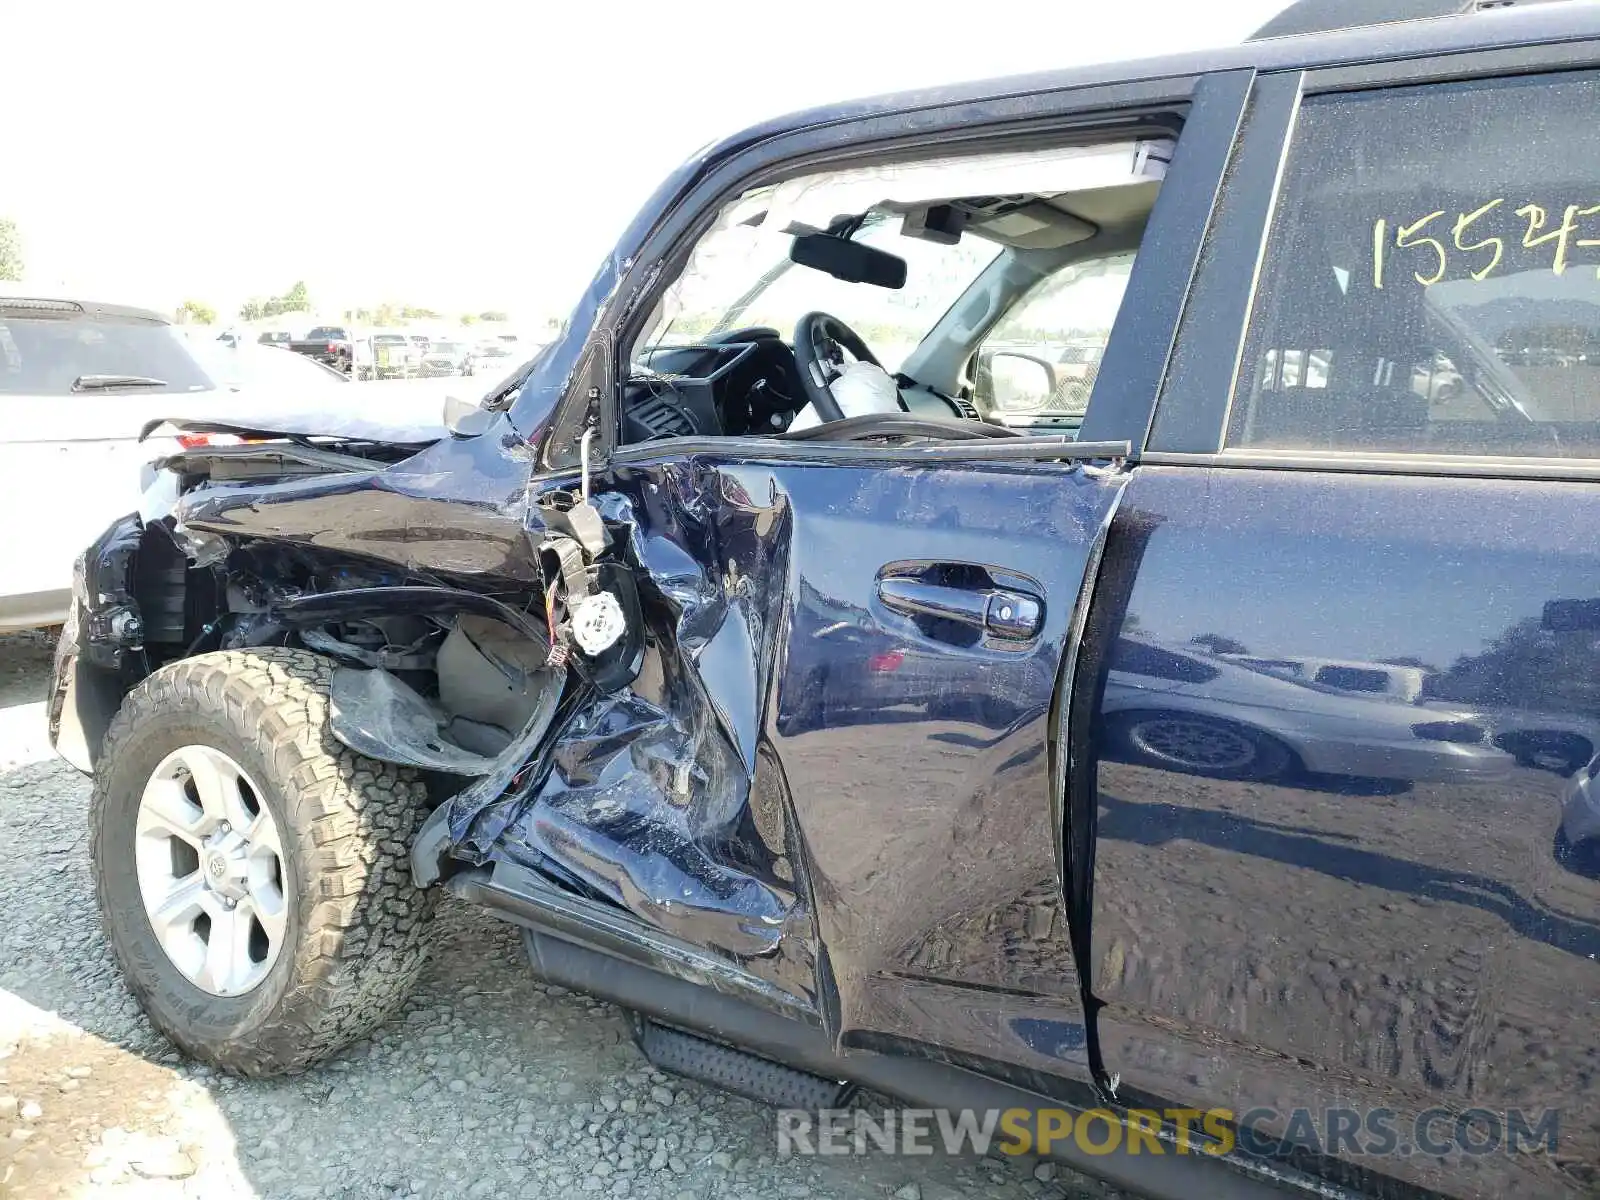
(1324, 16)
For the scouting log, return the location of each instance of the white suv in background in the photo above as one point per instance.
(78, 380)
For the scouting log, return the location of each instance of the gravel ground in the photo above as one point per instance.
(489, 1084)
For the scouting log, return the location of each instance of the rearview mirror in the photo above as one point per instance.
(853, 262)
(465, 418)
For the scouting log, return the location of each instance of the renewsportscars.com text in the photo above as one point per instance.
(1264, 1132)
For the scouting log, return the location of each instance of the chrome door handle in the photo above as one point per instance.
(999, 613)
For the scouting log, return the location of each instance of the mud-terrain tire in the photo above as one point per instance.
(354, 928)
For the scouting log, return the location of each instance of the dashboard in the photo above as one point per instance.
(740, 384)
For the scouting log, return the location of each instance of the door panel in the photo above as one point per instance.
(820, 774)
(1342, 720)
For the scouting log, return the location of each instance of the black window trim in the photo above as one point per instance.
(1199, 388)
(1192, 408)
(1361, 462)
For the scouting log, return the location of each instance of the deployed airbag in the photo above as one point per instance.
(861, 389)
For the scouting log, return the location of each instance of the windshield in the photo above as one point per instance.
(447, 348)
(44, 355)
(964, 207)
(253, 366)
(324, 332)
(742, 276)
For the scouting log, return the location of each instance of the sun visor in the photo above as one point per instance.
(815, 202)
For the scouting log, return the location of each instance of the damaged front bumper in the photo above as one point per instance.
(102, 642)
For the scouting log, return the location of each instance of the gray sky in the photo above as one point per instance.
(481, 154)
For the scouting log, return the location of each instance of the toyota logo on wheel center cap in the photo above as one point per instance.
(217, 866)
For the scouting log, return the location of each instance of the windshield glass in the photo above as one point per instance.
(965, 208)
(742, 276)
(252, 366)
(43, 355)
(446, 348)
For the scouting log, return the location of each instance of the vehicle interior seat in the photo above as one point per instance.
(1365, 402)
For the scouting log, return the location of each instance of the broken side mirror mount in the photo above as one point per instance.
(466, 418)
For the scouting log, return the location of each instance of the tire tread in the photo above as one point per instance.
(364, 924)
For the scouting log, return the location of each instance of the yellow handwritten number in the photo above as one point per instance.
(1406, 235)
(1589, 212)
(1536, 218)
(1465, 219)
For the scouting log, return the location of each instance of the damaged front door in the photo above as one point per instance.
(832, 770)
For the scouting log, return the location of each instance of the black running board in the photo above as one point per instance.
(922, 1082)
(737, 1071)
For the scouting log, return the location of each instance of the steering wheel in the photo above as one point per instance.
(818, 337)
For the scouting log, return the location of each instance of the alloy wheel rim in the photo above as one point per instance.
(209, 861)
(1195, 744)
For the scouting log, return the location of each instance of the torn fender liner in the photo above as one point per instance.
(379, 715)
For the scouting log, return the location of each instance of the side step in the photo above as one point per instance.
(737, 1071)
(923, 1082)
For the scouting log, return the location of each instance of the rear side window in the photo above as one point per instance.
(1432, 275)
(47, 354)
(1140, 658)
(1354, 679)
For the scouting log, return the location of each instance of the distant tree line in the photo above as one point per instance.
(296, 299)
(10, 250)
(1568, 339)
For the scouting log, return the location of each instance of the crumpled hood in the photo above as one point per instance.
(379, 412)
(332, 425)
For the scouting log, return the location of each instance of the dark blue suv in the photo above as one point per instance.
(1191, 751)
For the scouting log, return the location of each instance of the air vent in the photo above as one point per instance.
(655, 417)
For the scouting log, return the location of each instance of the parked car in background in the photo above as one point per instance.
(493, 356)
(79, 378)
(447, 358)
(275, 337)
(330, 344)
(256, 366)
(394, 356)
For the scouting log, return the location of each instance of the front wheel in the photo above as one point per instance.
(252, 873)
(1199, 745)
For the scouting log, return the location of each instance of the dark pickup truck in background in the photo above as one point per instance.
(328, 344)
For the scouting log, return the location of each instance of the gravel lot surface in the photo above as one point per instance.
(490, 1084)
